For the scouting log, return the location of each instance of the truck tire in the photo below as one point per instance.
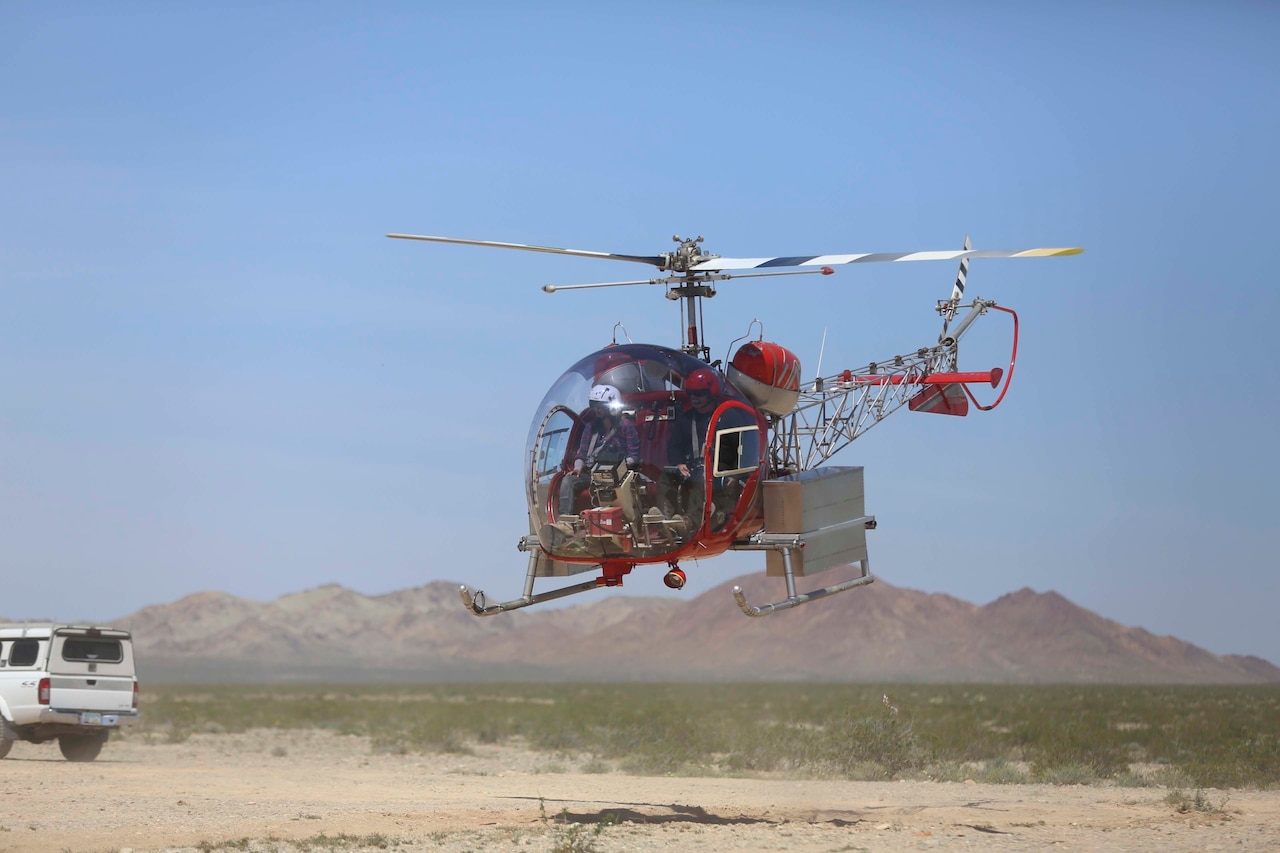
(5, 746)
(81, 747)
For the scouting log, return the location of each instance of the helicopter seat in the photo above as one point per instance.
(582, 500)
(561, 481)
(653, 422)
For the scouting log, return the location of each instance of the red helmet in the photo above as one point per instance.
(703, 380)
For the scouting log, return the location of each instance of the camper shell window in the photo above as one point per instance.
(92, 650)
(24, 652)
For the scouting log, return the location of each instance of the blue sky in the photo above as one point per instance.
(217, 373)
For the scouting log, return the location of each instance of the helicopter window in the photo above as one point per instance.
(637, 377)
(737, 451)
(553, 444)
(624, 377)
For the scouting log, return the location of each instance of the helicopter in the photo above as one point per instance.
(642, 454)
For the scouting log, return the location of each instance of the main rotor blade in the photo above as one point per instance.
(581, 253)
(877, 257)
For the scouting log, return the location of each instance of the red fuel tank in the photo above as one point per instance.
(768, 374)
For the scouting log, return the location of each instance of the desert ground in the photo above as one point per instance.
(283, 790)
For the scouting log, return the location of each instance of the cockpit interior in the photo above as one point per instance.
(619, 461)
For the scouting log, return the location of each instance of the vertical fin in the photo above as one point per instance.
(940, 400)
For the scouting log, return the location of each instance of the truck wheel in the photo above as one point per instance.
(81, 747)
(5, 746)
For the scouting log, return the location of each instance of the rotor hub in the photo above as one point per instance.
(687, 256)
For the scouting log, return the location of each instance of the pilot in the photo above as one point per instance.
(609, 435)
(682, 488)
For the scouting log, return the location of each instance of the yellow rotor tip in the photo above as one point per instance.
(1049, 253)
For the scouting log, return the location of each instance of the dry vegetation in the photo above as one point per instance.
(1180, 737)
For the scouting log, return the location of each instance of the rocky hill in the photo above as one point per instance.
(880, 633)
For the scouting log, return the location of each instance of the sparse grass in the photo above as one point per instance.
(1191, 737)
(315, 844)
(596, 766)
(1184, 803)
(218, 846)
(572, 837)
(576, 838)
(997, 771)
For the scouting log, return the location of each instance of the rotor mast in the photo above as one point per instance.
(691, 288)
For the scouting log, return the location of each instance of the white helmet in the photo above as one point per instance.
(605, 399)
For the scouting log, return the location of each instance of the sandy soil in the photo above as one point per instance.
(293, 786)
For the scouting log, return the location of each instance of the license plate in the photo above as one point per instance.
(90, 718)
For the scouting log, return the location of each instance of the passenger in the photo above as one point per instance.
(608, 436)
(683, 486)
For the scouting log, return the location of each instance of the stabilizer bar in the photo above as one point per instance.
(980, 376)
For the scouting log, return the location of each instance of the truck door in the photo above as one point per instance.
(21, 663)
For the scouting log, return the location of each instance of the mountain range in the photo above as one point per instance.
(878, 633)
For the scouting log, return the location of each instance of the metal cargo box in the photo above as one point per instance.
(817, 505)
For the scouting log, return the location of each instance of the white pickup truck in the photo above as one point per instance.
(71, 682)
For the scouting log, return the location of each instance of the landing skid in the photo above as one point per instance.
(477, 604)
(787, 545)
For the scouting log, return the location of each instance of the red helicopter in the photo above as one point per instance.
(642, 454)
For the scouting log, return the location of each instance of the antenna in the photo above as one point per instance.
(817, 380)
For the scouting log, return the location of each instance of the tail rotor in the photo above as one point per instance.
(957, 293)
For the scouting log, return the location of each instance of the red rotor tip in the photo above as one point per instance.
(996, 375)
(827, 270)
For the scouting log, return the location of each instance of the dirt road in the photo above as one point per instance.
(293, 787)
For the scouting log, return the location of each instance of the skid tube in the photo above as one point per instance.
(787, 544)
(477, 604)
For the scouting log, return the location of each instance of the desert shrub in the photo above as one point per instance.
(998, 771)
(854, 741)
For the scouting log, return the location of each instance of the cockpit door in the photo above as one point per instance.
(736, 454)
(549, 456)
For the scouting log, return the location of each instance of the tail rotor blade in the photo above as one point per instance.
(957, 292)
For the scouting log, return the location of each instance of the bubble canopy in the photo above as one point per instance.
(638, 469)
